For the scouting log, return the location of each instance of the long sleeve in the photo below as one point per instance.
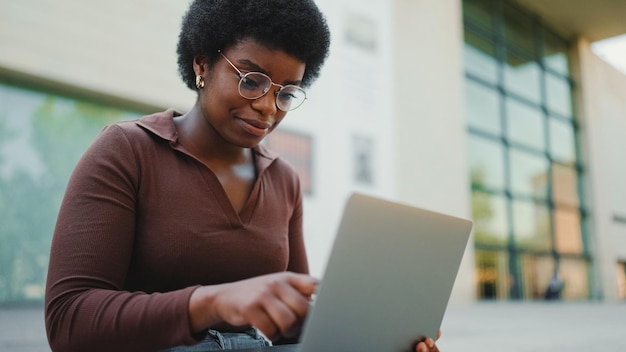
(298, 261)
(87, 308)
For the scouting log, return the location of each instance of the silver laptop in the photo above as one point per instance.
(388, 278)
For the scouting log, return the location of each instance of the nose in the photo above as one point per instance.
(267, 103)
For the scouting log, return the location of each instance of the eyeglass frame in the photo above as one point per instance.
(242, 76)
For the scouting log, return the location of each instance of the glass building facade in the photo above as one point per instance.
(42, 136)
(525, 166)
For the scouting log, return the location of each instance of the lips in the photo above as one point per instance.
(255, 127)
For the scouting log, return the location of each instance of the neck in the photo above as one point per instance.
(201, 140)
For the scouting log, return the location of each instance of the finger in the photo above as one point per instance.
(281, 316)
(295, 300)
(428, 345)
(265, 324)
(434, 348)
(438, 334)
(421, 347)
(287, 307)
(305, 284)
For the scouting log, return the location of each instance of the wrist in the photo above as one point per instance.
(202, 310)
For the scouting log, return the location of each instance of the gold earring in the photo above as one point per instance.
(199, 82)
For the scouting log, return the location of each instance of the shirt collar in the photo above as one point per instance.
(161, 124)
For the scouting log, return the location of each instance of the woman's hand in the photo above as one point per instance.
(276, 304)
(428, 345)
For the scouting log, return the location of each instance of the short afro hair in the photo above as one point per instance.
(296, 27)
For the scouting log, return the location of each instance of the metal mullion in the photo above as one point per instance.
(484, 134)
(481, 81)
(527, 149)
(516, 289)
(550, 203)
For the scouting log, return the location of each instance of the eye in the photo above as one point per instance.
(250, 82)
(286, 96)
(291, 92)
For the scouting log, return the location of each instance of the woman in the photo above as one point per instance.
(181, 232)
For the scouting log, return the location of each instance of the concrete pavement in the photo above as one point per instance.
(497, 327)
(535, 327)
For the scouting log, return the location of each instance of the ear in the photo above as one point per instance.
(200, 65)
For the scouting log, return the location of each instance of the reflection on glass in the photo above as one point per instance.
(559, 95)
(531, 225)
(529, 174)
(523, 77)
(479, 57)
(564, 185)
(555, 53)
(479, 12)
(492, 275)
(519, 30)
(574, 273)
(486, 159)
(536, 272)
(525, 124)
(482, 108)
(490, 220)
(42, 136)
(567, 234)
(562, 143)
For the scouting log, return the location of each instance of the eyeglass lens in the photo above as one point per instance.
(254, 85)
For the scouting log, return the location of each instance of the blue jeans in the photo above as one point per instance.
(216, 341)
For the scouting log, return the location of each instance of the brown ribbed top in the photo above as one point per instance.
(143, 223)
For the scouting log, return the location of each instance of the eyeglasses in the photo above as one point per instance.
(253, 85)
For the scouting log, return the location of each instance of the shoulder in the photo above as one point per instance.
(134, 134)
(160, 124)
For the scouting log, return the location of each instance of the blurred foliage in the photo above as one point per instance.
(60, 131)
(482, 211)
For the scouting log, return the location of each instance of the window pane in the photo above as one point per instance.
(531, 225)
(492, 274)
(486, 163)
(482, 108)
(565, 185)
(567, 235)
(490, 220)
(42, 136)
(519, 30)
(529, 174)
(559, 95)
(562, 145)
(479, 57)
(522, 77)
(525, 124)
(536, 274)
(479, 12)
(555, 53)
(574, 273)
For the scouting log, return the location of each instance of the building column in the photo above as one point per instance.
(432, 169)
(602, 116)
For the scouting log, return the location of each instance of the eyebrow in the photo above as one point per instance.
(254, 67)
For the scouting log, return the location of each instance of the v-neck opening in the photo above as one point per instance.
(162, 125)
